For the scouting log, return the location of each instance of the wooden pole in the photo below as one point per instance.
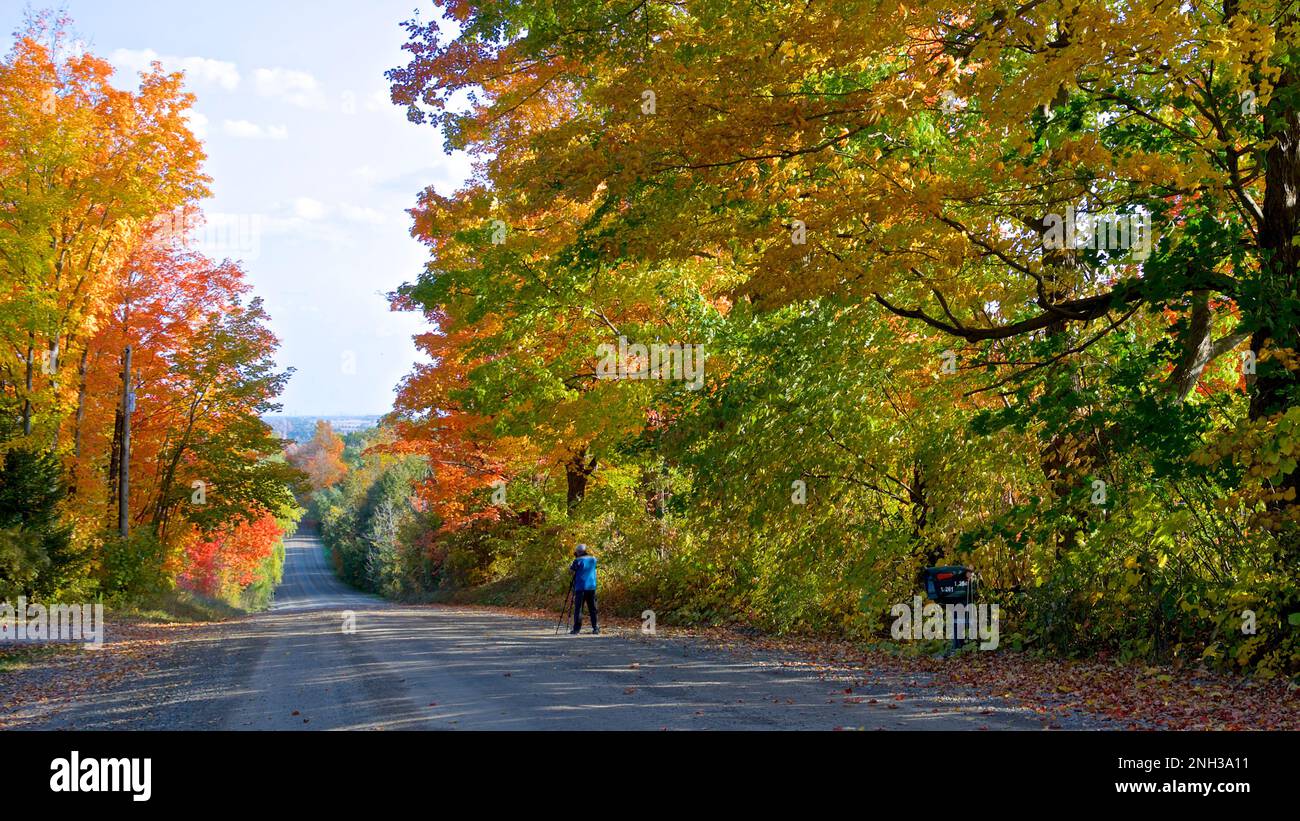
(124, 468)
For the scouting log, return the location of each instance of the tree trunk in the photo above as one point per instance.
(1278, 325)
(916, 494)
(50, 367)
(576, 473)
(113, 459)
(81, 402)
(28, 385)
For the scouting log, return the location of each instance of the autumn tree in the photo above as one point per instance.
(87, 169)
(924, 153)
(1068, 221)
(321, 457)
(93, 180)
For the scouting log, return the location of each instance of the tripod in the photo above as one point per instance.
(564, 614)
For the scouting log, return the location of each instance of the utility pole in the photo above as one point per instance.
(124, 466)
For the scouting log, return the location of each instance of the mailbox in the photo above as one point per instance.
(952, 584)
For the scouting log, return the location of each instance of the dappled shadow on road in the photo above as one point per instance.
(431, 667)
(328, 657)
(184, 680)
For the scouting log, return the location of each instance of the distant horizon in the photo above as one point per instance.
(301, 427)
(325, 415)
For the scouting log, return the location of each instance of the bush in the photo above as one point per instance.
(135, 568)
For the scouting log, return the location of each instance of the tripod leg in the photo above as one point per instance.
(564, 614)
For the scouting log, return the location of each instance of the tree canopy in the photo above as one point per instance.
(1007, 283)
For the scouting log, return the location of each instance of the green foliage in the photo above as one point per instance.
(22, 561)
(368, 523)
(135, 568)
(698, 522)
(257, 596)
(908, 366)
(37, 557)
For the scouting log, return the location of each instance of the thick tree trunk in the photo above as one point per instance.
(576, 473)
(916, 494)
(1278, 323)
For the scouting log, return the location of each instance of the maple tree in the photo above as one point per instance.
(321, 457)
(94, 181)
(1015, 285)
(230, 557)
(88, 167)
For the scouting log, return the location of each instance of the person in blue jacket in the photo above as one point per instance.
(583, 569)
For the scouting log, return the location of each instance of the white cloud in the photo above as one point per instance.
(311, 220)
(297, 88)
(315, 230)
(198, 123)
(308, 208)
(362, 214)
(365, 173)
(243, 129)
(199, 71)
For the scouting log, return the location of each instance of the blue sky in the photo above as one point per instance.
(312, 168)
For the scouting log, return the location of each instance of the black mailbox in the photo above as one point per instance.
(952, 584)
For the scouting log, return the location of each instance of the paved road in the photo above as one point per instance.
(296, 667)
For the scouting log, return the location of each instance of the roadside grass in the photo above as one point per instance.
(178, 605)
(15, 658)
